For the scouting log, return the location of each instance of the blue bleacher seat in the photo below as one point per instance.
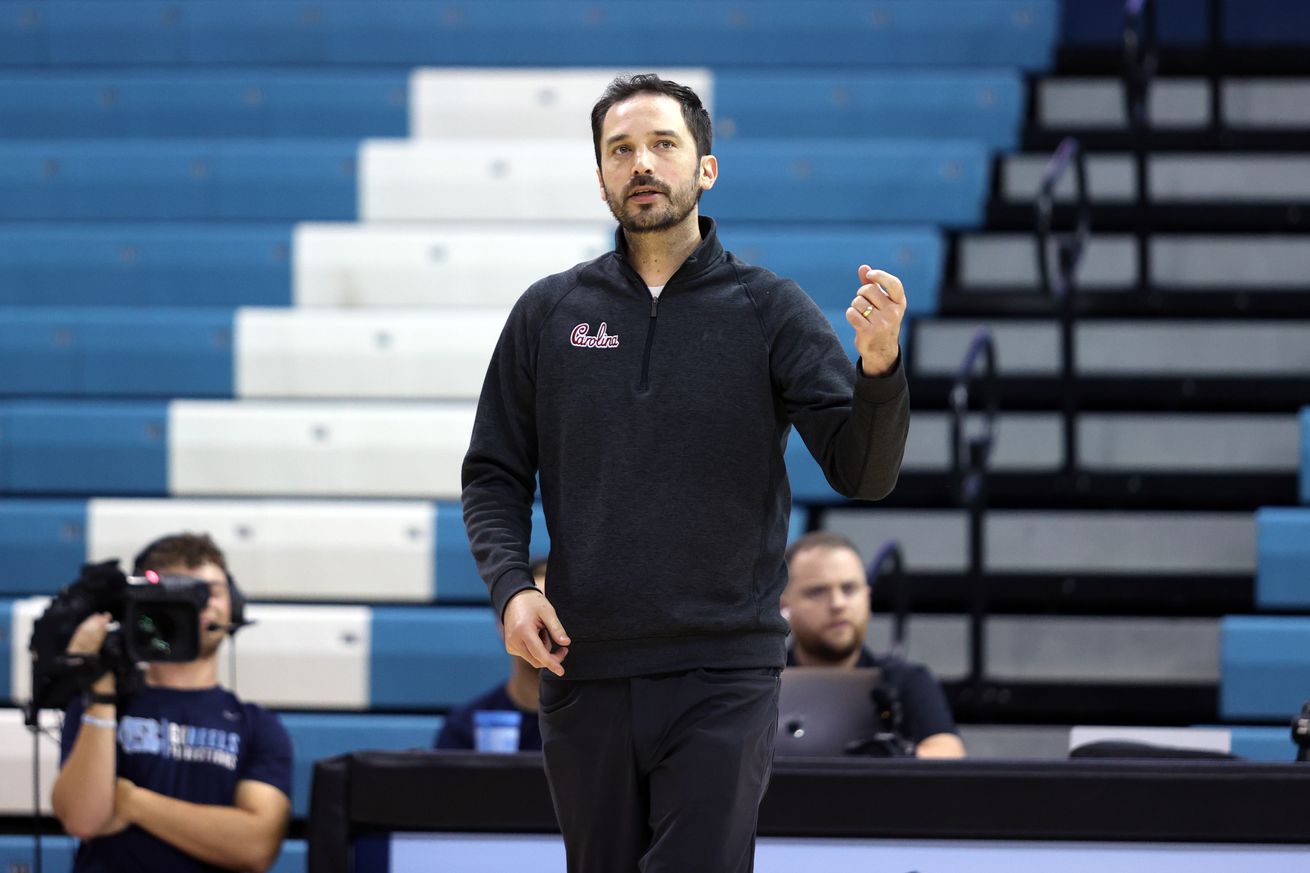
(43, 543)
(1282, 578)
(18, 851)
(145, 264)
(117, 352)
(6, 659)
(1265, 662)
(294, 858)
(941, 181)
(970, 104)
(96, 447)
(1263, 743)
(124, 180)
(456, 571)
(315, 736)
(824, 261)
(432, 658)
(185, 103)
(984, 105)
(562, 32)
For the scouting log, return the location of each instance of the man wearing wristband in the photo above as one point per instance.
(183, 776)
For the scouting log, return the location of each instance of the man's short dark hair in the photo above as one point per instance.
(623, 87)
(183, 549)
(820, 539)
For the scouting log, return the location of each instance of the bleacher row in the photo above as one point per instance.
(330, 448)
(776, 34)
(251, 267)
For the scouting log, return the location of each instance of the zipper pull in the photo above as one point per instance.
(654, 305)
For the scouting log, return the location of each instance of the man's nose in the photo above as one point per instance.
(641, 163)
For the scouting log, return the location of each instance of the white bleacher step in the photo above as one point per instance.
(479, 180)
(1049, 543)
(298, 657)
(333, 550)
(1065, 649)
(397, 354)
(1181, 262)
(317, 449)
(303, 657)
(514, 103)
(1123, 349)
(1122, 443)
(16, 762)
(1172, 178)
(405, 265)
(1196, 739)
(1179, 103)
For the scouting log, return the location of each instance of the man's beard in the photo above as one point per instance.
(819, 647)
(660, 215)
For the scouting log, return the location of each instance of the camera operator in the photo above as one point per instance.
(184, 776)
(826, 602)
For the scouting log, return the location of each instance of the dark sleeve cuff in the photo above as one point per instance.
(880, 389)
(511, 582)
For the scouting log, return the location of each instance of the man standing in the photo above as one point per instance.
(652, 390)
(826, 601)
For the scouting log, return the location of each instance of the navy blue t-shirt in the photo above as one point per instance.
(193, 745)
(457, 731)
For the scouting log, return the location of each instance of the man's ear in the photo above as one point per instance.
(600, 181)
(709, 172)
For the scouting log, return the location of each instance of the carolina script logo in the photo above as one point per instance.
(601, 340)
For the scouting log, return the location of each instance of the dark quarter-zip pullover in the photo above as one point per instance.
(657, 428)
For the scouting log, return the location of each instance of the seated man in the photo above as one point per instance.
(518, 696)
(182, 776)
(826, 601)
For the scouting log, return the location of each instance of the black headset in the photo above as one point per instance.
(236, 600)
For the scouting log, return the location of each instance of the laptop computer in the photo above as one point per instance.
(822, 710)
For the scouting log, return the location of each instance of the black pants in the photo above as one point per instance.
(660, 773)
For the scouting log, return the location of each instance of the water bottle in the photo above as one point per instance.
(496, 730)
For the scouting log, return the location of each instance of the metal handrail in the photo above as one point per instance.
(1060, 282)
(969, 459)
(970, 454)
(1069, 247)
(1141, 59)
(888, 565)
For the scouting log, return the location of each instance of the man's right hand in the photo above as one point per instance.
(88, 640)
(532, 629)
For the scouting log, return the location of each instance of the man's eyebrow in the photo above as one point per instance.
(620, 136)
